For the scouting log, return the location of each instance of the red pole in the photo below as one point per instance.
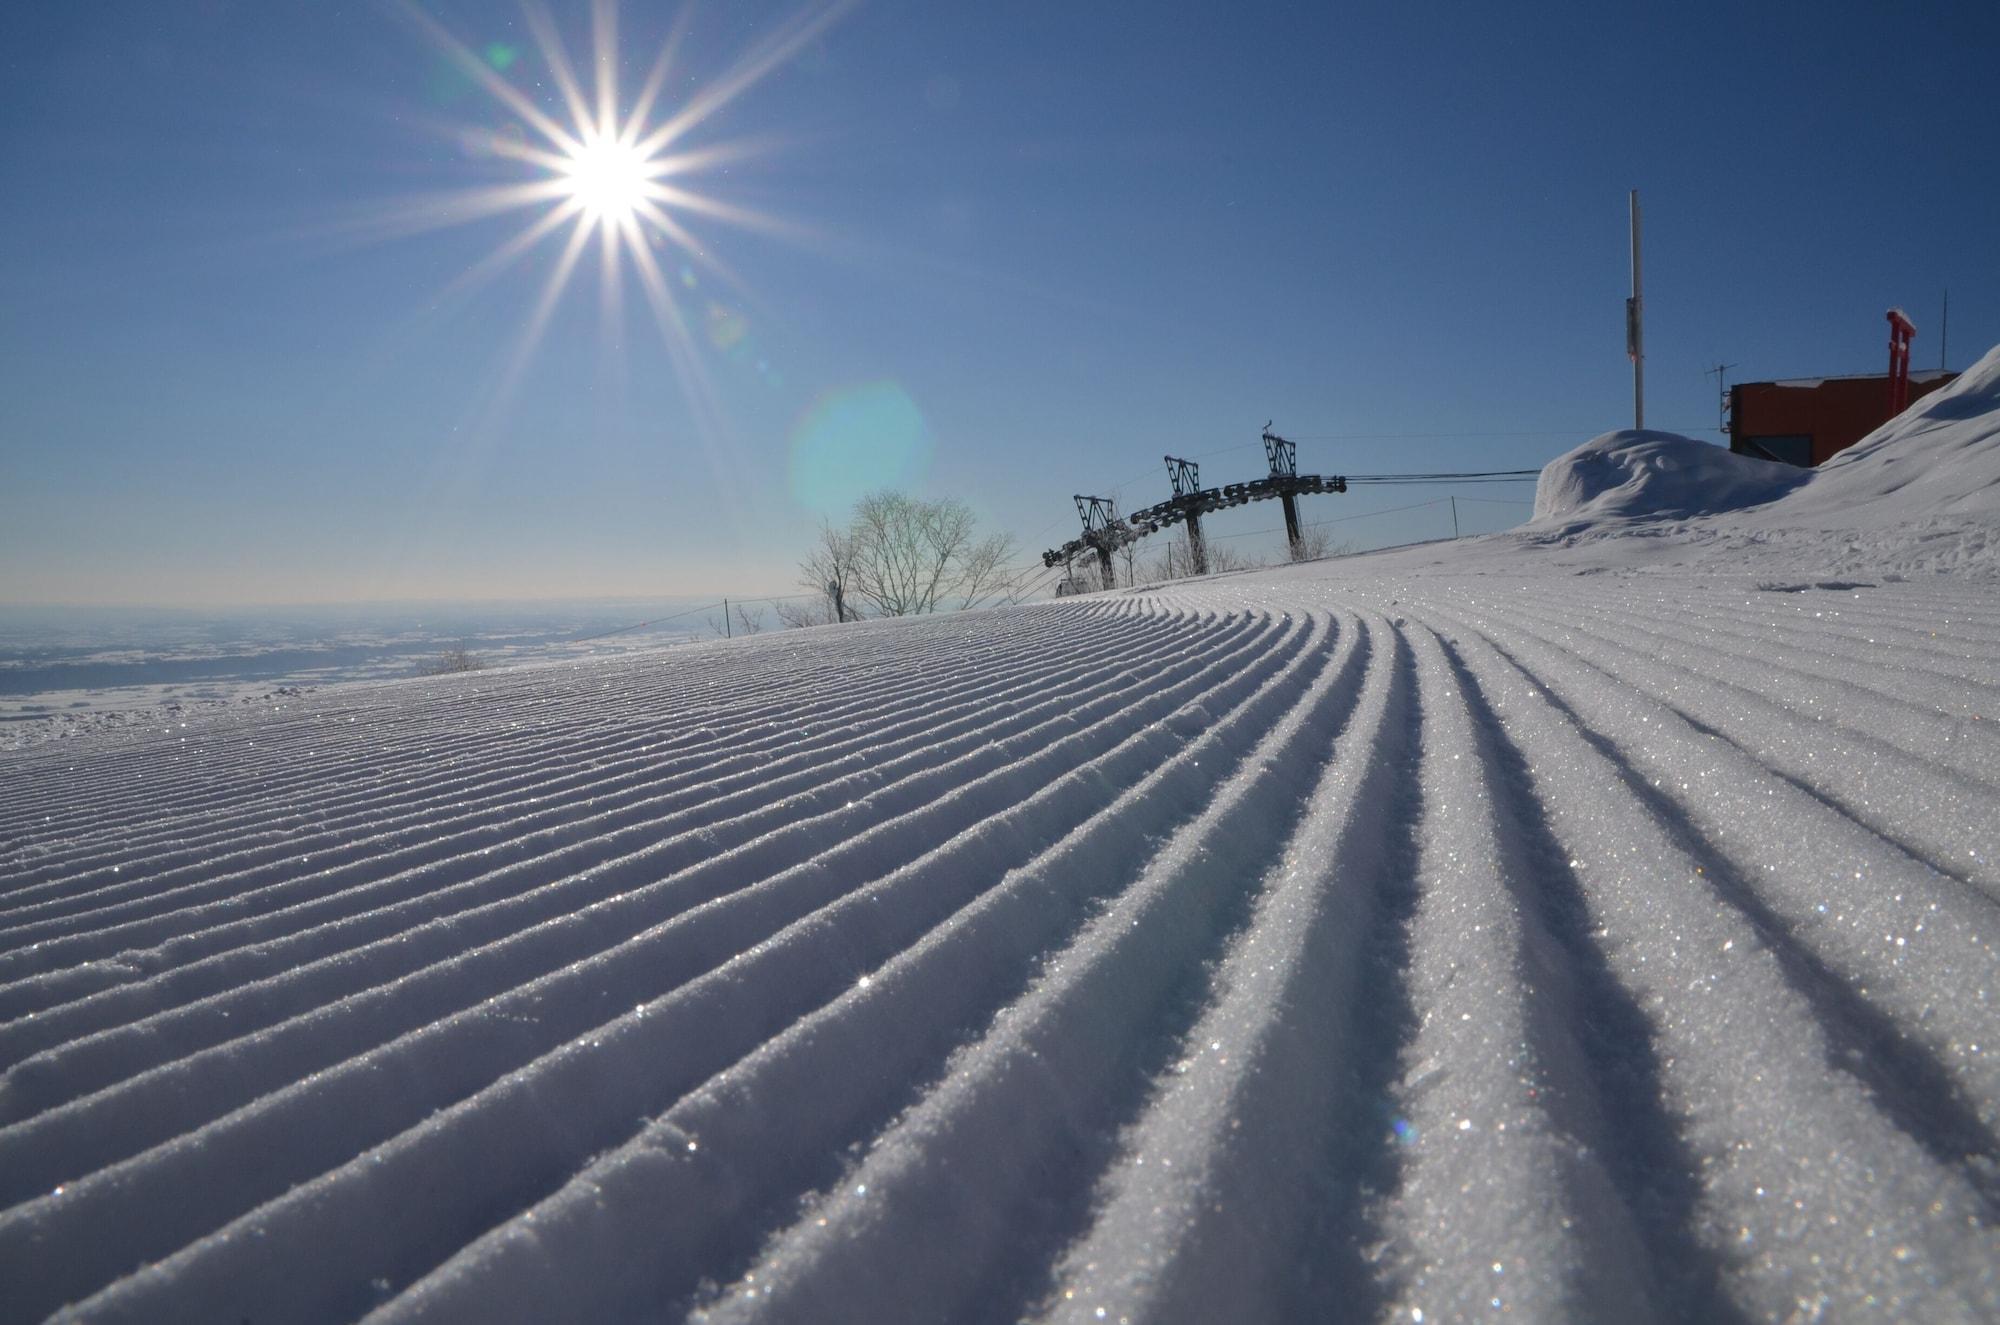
(1901, 330)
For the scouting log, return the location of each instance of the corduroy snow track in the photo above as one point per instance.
(1284, 948)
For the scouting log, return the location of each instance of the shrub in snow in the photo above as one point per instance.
(460, 659)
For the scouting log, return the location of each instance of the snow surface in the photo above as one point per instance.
(1565, 924)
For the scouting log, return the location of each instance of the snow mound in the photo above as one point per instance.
(1940, 457)
(1918, 496)
(1655, 475)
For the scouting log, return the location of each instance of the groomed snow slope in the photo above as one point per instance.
(1261, 949)
(1426, 937)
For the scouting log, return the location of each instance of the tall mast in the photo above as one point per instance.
(1635, 326)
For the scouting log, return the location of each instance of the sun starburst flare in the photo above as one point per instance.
(599, 169)
(607, 179)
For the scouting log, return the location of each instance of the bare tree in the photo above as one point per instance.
(1315, 542)
(747, 621)
(1129, 554)
(830, 569)
(811, 612)
(906, 549)
(904, 556)
(983, 571)
(1226, 558)
(1176, 560)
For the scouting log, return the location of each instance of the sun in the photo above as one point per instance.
(608, 179)
(592, 164)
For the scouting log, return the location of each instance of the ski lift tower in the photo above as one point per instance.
(1186, 476)
(1100, 520)
(1284, 459)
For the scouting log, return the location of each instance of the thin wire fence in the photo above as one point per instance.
(724, 604)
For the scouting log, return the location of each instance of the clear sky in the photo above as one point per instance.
(1006, 252)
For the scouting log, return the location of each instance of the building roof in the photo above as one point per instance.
(1916, 375)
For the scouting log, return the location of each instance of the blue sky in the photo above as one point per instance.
(1027, 249)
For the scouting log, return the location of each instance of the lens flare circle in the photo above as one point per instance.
(855, 441)
(607, 179)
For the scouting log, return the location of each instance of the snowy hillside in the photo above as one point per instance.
(1920, 494)
(1420, 937)
(1939, 457)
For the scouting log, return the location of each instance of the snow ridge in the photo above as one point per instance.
(1264, 949)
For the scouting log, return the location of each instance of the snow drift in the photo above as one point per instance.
(1940, 457)
(1655, 476)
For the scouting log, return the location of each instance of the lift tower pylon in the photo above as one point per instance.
(1186, 477)
(1105, 531)
(1099, 516)
(1284, 458)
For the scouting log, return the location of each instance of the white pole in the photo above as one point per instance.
(1635, 320)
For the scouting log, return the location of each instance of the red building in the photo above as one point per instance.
(1809, 420)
